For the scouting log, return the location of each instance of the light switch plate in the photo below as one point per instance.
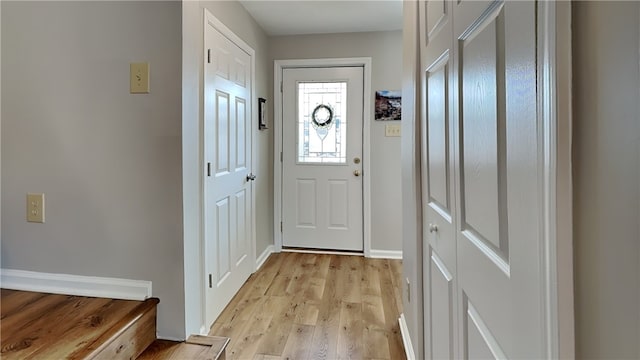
(139, 78)
(392, 130)
(35, 208)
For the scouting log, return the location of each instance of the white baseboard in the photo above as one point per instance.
(406, 339)
(385, 254)
(111, 288)
(264, 256)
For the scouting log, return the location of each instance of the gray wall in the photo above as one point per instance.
(109, 162)
(112, 165)
(236, 18)
(606, 177)
(385, 49)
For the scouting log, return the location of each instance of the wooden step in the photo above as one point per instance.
(128, 338)
(37, 325)
(197, 347)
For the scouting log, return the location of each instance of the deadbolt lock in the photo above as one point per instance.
(356, 160)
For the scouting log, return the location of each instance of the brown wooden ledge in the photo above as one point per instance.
(127, 338)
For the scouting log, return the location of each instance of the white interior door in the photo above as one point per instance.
(228, 183)
(438, 175)
(484, 294)
(322, 158)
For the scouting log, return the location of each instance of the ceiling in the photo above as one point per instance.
(297, 17)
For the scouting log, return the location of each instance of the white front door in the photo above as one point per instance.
(322, 158)
(484, 274)
(228, 189)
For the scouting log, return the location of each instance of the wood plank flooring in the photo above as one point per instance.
(38, 325)
(311, 306)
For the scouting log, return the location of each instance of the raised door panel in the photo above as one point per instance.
(223, 239)
(441, 309)
(241, 71)
(480, 341)
(438, 174)
(436, 13)
(338, 197)
(306, 196)
(222, 131)
(222, 61)
(482, 134)
(243, 138)
(241, 247)
(499, 244)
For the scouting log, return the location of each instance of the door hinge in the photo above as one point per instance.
(280, 86)
(280, 226)
(209, 56)
(210, 280)
(281, 156)
(208, 169)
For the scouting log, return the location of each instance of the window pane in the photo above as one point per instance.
(322, 122)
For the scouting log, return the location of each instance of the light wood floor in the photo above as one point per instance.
(309, 306)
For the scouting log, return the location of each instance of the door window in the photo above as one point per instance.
(322, 123)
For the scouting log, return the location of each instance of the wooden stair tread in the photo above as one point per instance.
(196, 347)
(37, 325)
(115, 343)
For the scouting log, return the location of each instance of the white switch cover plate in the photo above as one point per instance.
(35, 208)
(392, 130)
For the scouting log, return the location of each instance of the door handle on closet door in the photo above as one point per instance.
(251, 177)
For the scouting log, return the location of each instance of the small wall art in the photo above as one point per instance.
(388, 105)
(262, 114)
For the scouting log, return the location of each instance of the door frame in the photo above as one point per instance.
(554, 71)
(279, 66)
(210, 19)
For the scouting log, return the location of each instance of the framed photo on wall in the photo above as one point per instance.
(262, 114)
(388, 105)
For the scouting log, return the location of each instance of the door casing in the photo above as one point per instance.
(279, 65)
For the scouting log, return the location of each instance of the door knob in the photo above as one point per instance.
(356, 172)
(433, 228)
(251, 177)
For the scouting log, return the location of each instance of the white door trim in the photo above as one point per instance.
(279, 66)
(555, 119)
(210, 19)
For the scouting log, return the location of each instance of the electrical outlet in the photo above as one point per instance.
(392, 130)
(139, 78)
(408, 283)
(35, 208)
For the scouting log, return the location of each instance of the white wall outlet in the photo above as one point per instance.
(392, 130)
(139, 78)
(35, 208)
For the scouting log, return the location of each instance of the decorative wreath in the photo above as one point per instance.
(326, 116)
